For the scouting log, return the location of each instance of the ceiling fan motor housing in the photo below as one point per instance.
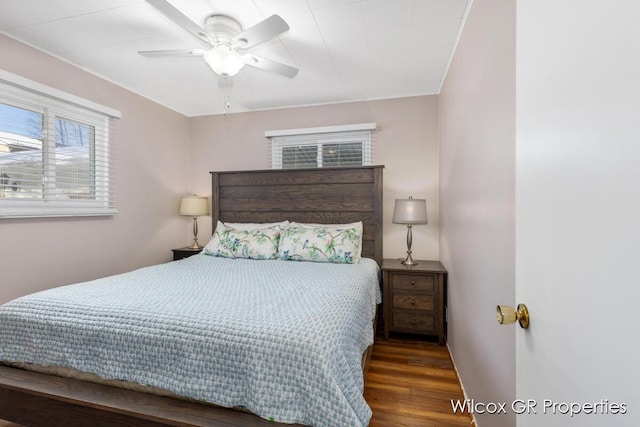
(222, 29)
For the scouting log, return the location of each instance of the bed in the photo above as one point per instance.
(326, 196)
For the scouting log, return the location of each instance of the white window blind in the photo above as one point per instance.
(56, 155)
(331, 146)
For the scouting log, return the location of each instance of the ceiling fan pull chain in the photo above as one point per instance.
(225, 83)
(227, 105)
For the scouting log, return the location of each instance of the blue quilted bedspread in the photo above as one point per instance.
(283, 339)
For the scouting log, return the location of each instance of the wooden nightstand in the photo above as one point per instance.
(414, 298)
(184, 253)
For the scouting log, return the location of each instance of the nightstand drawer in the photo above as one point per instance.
(422, 323)
(413, 302)
(413, 282)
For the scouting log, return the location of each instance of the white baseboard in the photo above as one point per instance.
(464, 392)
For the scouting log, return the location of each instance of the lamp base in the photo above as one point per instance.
(409, 260)
(195, 245)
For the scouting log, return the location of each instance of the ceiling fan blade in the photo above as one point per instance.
(270, 65)
(169, 53)
(261, 32)
(180, 19)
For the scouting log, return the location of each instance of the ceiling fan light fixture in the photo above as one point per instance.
(225, 37)
(224, 60)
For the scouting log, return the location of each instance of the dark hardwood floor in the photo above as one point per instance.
(410, 383)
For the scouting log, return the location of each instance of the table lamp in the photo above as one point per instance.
(194, 206)
(410, 211)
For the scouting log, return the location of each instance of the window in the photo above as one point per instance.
(54, 152)
(332, 146)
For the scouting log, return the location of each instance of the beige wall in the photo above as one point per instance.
(477, 199)
(151, 165)
(406, 143)
(162, 155)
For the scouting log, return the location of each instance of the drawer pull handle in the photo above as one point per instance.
(413, 322)
(413, 302)
(413, 283)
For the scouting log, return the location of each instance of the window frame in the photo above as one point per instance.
(321, 136)
(53, 104)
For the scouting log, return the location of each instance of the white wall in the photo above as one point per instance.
(578, 204)
(477, 202)
(405, 143)
(151, 162)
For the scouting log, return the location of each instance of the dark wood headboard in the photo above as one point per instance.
(327, 196)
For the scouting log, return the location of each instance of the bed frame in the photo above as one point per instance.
(337, 195)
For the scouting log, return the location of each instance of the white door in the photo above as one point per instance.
(578, 211)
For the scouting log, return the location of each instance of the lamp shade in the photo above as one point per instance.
(194, 206)
(410, 211)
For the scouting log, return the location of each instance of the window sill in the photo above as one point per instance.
(55, 212)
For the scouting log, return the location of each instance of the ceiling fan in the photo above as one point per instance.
(225, 42)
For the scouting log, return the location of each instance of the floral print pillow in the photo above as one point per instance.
(257, 243)
(322, 244)
(356, 225)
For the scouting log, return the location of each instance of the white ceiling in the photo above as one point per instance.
(346, 50)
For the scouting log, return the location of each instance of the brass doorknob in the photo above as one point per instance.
(508, 315)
